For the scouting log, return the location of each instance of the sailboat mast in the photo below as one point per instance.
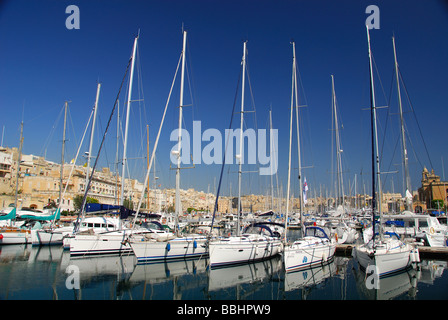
(408, 202)
(298, 135)
(62, 153)
(124, 160)
(239, 210)
(89, 156)
(19, 159)
(181, 103)
(340, 181)
(272, 150)
(290, 142)
(375, 153)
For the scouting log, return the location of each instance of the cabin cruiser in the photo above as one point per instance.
(423, 228)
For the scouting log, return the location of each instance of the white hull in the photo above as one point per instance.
(244, 249)
(308, 252)
(15, 237)
(178, 248)
(110, 243)
(50, 237)
(390, 256)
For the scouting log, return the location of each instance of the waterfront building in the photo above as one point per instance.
(432, 189)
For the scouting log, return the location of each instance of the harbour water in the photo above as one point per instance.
(49, 273)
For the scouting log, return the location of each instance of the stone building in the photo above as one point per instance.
(432, 189)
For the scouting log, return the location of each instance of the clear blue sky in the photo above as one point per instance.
(43, 64)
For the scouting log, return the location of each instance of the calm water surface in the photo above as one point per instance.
(28, 272)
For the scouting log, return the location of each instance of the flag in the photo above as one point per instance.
(305, 189)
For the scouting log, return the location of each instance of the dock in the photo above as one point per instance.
(345, 250)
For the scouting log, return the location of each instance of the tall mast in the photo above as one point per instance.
(181, 104)
(375, 153)
(89, 156)
(147, 164)
(298, 136)
(62, 153)
(272, 150)
(124, 161)
(19, 159)
(290, 138)
(408, 202)
(241, 140)
(340, 181)
(116, 200)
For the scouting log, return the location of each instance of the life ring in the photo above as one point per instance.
(431, 230)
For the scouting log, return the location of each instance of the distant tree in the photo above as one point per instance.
(77, 201)
(437, 204)
(191, 209)
(127, 203)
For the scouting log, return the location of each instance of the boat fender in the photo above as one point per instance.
(195, 244)
(1, 236)
(336, 236)
(168, 246)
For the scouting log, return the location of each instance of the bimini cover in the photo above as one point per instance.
(397, 223)
(316, 232)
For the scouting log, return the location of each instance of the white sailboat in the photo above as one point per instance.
(342, 231)
(19, 231)
(53, 234)
(386, 252)
(247, 247)
(110, 242)
(178, 246)
(315, 246)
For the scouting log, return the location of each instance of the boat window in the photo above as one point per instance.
(410, 223)
(423, 224)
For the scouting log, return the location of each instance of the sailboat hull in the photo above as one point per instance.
(388, 258)
(240, 250)
(308, 252)
(177, 248)
(14, 236)
(100, 244)
(50, 237)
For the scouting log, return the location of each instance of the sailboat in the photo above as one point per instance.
(386, 252)
(108, 242)
(246, 247)
(19, 231)
(55, 235)
(150, 247)
(316, 246)
(343, 232)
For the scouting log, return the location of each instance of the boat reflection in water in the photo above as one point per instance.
(310, 277)
(171, 279)
(29, 272)
(399, 285)
(250, 273)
